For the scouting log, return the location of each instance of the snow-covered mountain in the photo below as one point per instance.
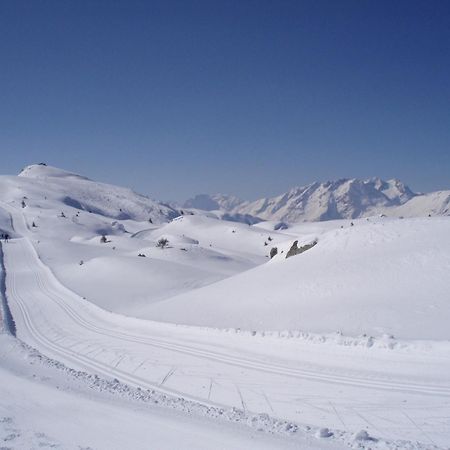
(49, 185)
(213, 202)
(341, 199)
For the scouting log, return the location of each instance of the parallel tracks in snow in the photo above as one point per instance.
(67, 348)
(51, 288)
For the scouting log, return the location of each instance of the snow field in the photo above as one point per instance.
(347, 342)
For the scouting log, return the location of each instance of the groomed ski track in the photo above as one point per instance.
(238, 371)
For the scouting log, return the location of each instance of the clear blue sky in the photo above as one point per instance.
(174, 98)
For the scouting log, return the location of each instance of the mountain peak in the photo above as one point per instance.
(345, 198)
(70, 190)
(42, 170)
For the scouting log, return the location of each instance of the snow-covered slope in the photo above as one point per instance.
(46, 185)
(434, 204)
(44, 404)
(68, 213)
(376, 277)
(229, 237)
(342, 199)
(200, 251)
(318, 387)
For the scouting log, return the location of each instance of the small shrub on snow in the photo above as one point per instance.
(162, 243)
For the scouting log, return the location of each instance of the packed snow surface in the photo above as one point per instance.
(45, 405)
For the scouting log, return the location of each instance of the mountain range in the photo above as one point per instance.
(331, 200)
(341, 199)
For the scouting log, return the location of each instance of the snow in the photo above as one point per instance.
(42, 407)
(341, 199)
(324, 433)
(5, 224)
(377, 277)
(47, 187)
(208, 343)
(213, 202)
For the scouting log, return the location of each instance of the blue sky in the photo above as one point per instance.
(174, 98)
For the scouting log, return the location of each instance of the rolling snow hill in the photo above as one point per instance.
(380, 276)
(342, 199)
(67, 214)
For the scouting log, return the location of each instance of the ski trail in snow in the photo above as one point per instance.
(367, 421)
(338, 415)
(6, 317)
(121, 358)
(268, 401)
(95, 326)
(244, 406)
(419, 428)
(93, 350)
(139, 366)
(241, 362)
(310, 404)
(234, 360)
(210, 388)
(168, 375)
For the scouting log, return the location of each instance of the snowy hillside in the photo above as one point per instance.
(383, 276)
(68, 214)
(218, 273)
(44, 184)
(342, 199)
(161, 320)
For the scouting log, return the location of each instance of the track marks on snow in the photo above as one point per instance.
(167, 376)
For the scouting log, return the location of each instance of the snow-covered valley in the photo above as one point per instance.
(156, 319)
